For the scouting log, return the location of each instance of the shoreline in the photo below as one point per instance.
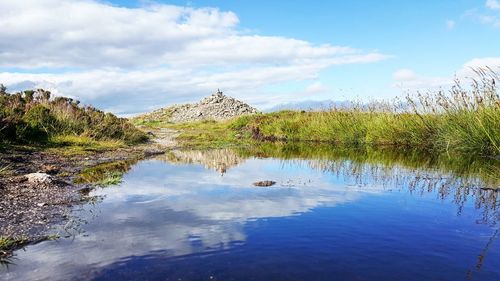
(30, 211)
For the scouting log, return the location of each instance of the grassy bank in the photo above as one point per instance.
(105, 174)
(463, 120)
(34, 118)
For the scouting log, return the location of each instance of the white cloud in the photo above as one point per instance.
(450, 24)
(492, 62)
(170, 217)
(315, 88)
(404, 75)
(135, 59)
(408, 79)
(90, 34)
(488, 17)
(419, 82)
(492, 4)
(490, 20)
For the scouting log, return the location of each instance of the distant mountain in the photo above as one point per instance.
(309, 105)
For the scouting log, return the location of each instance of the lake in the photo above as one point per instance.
(196, 215)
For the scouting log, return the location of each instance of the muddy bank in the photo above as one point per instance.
(30, 210)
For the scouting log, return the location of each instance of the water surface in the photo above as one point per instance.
(193, 215)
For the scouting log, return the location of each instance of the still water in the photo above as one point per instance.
(195, 215)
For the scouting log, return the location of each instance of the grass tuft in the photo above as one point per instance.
(105, 174)
(5, 170)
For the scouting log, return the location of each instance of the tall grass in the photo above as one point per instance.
(464, 119)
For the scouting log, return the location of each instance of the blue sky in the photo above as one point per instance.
(414, 32)
(394, 46)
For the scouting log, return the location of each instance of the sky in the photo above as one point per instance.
(133, 56)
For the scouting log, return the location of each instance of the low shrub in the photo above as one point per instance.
(33, 117)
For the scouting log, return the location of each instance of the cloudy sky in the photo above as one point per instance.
(132, 56)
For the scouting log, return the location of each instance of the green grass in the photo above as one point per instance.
(105, 174)
(148, 123)
(79, 145)
(9, 244)
(69, 145)
(464, 120)
(112, 179)
(210, 134)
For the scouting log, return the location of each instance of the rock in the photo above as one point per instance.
(39, 178)
(152, 152)
(264, 183)
(85, 190)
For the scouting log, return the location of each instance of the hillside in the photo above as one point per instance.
(33, 116)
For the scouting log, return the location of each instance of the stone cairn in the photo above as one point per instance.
(215, 107)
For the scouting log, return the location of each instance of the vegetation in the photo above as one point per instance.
(7, 244)
(463, 120)
(4, 170)
(211, 134)
(69, 145)
(155, 119)
(33, 117)
(105, 174)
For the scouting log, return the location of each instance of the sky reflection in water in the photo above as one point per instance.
(196, 215)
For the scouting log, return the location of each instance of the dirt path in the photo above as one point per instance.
(165, 137)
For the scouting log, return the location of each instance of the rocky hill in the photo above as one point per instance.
(215, 107)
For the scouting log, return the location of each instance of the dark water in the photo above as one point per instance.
(196, 216)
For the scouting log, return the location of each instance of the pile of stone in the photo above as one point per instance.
(215, 107)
